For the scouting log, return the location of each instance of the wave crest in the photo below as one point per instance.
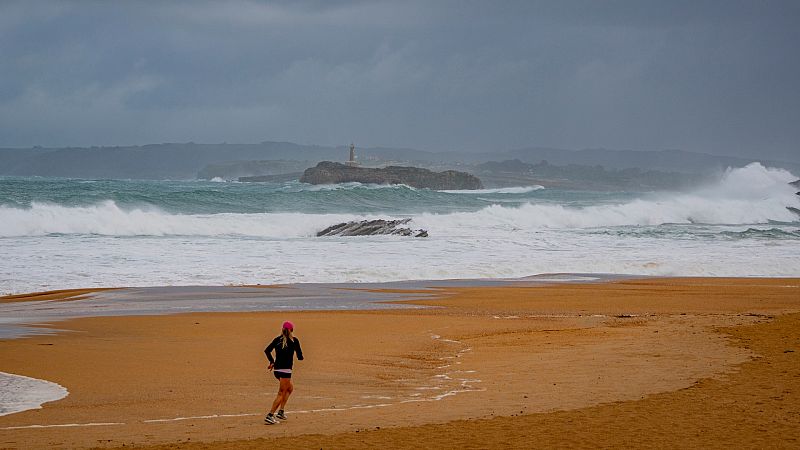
(506, 190)
(749, 195)
(107, 218)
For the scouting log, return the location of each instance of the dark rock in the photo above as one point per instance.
(372, 228)
(328, 172)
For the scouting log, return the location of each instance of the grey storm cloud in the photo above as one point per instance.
(713, 76)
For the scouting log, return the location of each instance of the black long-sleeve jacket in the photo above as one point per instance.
(284, 356)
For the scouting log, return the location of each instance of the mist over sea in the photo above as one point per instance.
(67, 233)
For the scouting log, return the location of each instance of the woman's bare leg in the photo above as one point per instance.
(280, 397)
(287, 391)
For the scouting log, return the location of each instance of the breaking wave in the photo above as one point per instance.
(506, 190)
(108, 219)
(749, 195)
(769, 234)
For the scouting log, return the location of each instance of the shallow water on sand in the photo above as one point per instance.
(19, 393)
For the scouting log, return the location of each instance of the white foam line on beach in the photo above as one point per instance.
(439, 338)
(65, 425)
(346, 408)
(465, 386)
(212, 416)
(436, 398)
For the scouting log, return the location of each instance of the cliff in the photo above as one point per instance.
(328, 172)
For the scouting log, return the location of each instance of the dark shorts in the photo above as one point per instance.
(280, 375)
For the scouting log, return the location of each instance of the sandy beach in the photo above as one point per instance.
(692, 362)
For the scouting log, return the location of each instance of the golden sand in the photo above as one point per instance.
(645, 363)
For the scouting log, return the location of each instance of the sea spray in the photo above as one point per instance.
(71, 233)
(750, 195)
(109, 219)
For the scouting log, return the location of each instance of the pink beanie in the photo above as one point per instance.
(288, 326)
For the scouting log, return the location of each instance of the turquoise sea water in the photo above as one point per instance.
(59, 233)
(204, 197)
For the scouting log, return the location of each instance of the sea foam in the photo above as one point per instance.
(506, 190)
(19, 393)
(737, 225)
(108, 219)
(749, 195)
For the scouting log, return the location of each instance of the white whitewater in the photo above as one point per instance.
(737, 225)
(20, 393)
(748, 195)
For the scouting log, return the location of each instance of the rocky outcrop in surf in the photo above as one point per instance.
(328, 172)
(372, 228)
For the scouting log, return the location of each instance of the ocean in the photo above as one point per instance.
(70, 233)
(155, 235)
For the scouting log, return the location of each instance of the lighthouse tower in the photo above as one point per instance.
(352, 160)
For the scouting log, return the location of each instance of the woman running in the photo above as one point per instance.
(285, 347)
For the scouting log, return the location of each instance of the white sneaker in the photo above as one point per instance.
(270, 420)
(281, 415)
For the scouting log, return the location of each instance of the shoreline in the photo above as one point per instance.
(26, 310)
(200, 375)
(69, 293)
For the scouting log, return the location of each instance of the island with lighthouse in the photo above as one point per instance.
(329, 172)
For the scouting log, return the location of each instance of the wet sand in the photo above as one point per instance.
(655, 362)
(61, 294)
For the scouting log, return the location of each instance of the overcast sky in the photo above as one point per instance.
(720, 77)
